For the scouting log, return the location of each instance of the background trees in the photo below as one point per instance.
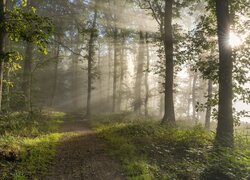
(128, 55)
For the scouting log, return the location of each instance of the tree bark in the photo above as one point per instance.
(54, 88)
(2, 47)
(115, 70)
(138, 82)
(146, 76)
(90, 62)
(169, 116)
(208, 111)
(194, 96)
(109, 75)
(122, 64)
(27, 75)
(225, 130)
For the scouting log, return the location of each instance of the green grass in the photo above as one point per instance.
(148, 150)
(27, 144)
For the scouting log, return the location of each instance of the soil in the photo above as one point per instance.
(82, 156)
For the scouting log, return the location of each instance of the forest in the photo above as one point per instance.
(124, 89)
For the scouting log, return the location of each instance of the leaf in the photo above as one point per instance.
(24, 3)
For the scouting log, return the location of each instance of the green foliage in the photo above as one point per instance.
(228, 164)
(27, 144)
(149, 150)
(26, 25)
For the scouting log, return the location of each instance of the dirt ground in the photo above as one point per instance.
(82, 157)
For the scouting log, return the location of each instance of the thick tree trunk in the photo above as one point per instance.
(139, 75)
(169, 116)
(208, 111)
(27, 75)
(224, 133)
(2, 47)
(146, 77)
(90, 63)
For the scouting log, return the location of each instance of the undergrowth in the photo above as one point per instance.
(27, 144)
(149, 150)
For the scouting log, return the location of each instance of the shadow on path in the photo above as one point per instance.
(82, 156)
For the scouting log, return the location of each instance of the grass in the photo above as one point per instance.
(148, 150)
(27, 144)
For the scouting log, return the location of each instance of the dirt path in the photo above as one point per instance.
(82, 157)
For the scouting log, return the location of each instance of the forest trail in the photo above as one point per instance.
(82, 156)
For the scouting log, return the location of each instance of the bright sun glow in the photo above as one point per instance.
(235, 40)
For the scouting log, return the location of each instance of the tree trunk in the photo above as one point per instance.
(194, 96)
(146, 77)
(224, 133)
(27, 75)
(169, 116)
(54, 88)
(90, 62)
(119, 103)
(115, 70)
(138, 82)
(208, 112)
(2, 47)
(109, 74)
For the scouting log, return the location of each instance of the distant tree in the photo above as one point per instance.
(139, 74)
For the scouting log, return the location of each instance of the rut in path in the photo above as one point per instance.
(82, 157)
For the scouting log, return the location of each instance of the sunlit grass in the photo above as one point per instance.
(149, 150)
(27, 148)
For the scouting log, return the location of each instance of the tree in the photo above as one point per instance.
(139, 73)
(2, 46)
(91, 60)
(169, 115)
(224, 133)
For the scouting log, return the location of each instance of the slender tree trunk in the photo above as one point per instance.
(109, 74)
(138, 82)
(115, 70)
(169, 116)
(75, 88)
(189, 96)
(2, 47)
(27, 75)
(225, 129)
(119, 103)
(146, 77)
(90, 62)
(54, 88)
(100, 74)
(208, 112)
(194, 96)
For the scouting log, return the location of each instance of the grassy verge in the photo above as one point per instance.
(148, 150)
(27, 144)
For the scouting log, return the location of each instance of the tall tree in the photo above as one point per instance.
(91, 48)
(2, 46)
(209, 108)
(169, 115)
(146, 75)
(224, 133)
(139, 74)
(27, 67)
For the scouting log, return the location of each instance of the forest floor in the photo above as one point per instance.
(82, 156)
